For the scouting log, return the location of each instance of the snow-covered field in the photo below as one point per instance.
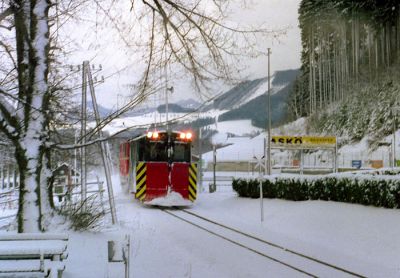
(360, 239)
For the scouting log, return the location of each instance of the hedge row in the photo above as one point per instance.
(374, 191)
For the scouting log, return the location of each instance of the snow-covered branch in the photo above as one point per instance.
(7, 12)
(8, 120)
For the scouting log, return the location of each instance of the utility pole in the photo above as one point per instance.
(75, 156)
(394, 111)
(214, 167)
(83, 138)
(268, 166)
(394, 142)
(103, 147)
(200, 171)
(171, 89)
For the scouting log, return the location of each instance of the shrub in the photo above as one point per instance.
(376, 191)
(84, 216)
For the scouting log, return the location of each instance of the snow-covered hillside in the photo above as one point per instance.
(246, 148)
(246, 91)
(248, 100)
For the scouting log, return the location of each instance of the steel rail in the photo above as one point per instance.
(240, 245)
(272, 244)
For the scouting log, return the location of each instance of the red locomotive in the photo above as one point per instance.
(158, 165)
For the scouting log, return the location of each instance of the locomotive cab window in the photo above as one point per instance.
(155, 151)
(181, 152)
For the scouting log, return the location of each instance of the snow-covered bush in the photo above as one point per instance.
(375, 191)
(381, 172)
(84, 216)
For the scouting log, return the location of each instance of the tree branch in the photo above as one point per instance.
(7, 12)
(8, 121)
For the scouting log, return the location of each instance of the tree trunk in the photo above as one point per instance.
(32, 33)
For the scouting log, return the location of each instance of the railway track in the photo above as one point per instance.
(299, 262)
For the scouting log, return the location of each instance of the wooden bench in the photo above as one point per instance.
(33, 253)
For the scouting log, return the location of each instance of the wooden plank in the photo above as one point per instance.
(32, 236)
(32, 249)
(32, 253)
(20, 266)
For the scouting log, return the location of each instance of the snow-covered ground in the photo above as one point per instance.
(358, 238)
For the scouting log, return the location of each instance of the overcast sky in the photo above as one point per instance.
(276, 14)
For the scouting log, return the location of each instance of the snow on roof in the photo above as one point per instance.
(243, 148)
(240, 127)
(246, 148)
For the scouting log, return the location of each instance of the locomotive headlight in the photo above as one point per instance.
(188, 136)
(149, 134)
(155, 135)
(182, 136)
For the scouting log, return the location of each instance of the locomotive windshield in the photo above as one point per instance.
(164, 148)
(181, 152)
(158, 151)
(155, 151)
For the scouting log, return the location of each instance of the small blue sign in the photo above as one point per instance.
(356, 164)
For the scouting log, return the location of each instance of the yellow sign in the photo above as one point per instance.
(304, 141)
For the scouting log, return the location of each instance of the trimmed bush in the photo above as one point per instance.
(379, 191)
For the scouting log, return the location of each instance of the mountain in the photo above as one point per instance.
(245, 101)
(137, 111)
(284, 77)
(237, 95)
(174, 108)
(249, 90)
(248, 100)
(256, 109)
(189, 104)
(103, 111)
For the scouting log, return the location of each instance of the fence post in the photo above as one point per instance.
(119, 252)
(214, 166)
(8, 176)
(127, 255)
(100, 186)
(15, 178)
(301, 161)
(2, 176)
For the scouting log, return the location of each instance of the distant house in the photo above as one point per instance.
(65, 176)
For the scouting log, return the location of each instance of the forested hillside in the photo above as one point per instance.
(256, 109)
(349, 79)
(248, 100)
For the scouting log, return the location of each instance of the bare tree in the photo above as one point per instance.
(192, 34)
